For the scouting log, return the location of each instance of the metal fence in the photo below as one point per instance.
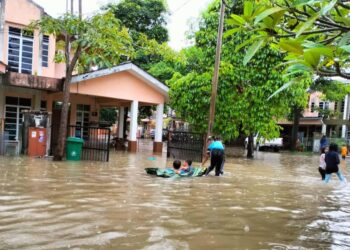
(185, 145)
(96, 142)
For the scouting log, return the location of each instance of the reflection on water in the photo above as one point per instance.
(274, 202)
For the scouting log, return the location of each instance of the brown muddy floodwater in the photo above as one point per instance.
(276, 201)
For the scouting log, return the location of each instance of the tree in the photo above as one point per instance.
(243, 104)
(143, 16)
(146, 22)
(99, 40)
(314, 34)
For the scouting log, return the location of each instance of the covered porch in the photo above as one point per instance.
(125, 87)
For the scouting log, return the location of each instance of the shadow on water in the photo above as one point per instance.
(276, 201)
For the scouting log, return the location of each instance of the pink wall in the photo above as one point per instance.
(74, 100)
(122, 85)
(20, 13)
(316, 98)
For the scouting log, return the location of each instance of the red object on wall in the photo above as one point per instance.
(37, 142)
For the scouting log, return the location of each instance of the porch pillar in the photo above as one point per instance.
(121, 123)
(345, 117)
(133, 126)
(158, 144)
(324, 129)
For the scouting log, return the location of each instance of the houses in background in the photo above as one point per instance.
(31, 80)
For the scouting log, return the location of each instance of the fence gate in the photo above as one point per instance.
(185, 145)
(96, 142)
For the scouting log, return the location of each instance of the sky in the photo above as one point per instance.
(182, 13)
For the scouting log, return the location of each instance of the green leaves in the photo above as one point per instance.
(97, 41)
(253, 50)
(248, 8)
(267, 13)
(293, 46)
(307, 25)
(237, 20)
(328, 7)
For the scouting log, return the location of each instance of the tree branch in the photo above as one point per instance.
(309, 32)
(344, 5)
(331, 39)
(337, 72)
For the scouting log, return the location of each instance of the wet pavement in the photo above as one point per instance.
(276, 201)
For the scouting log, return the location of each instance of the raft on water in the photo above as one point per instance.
(169, 172)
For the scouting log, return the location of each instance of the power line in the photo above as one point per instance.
(181, 6)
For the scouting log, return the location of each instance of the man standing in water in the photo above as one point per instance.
(216, 152)
(323, 142)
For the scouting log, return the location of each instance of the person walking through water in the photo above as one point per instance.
(216, 152)
(332, 162)
(323, 142)
(322, 165)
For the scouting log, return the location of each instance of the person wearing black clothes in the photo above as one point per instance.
(332, 161)
(217, 157)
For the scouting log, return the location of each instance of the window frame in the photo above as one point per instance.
(25, 51)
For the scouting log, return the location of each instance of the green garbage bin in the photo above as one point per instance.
(74, 148)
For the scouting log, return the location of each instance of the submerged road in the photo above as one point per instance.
(276, 201)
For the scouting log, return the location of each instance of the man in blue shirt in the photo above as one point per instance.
(216, 152)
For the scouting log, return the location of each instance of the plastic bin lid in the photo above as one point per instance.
(75, 139)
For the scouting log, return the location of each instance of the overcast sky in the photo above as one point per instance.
(182, 11)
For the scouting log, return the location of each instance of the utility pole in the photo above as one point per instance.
(72, 7)
(80, 9)
(215, 79)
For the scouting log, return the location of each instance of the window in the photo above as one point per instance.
(82, 122)
(45, 51)
(342, 106)
(312, 107)
(322, 106)
(13, 115)
(336, 106)
(43, 105)
(20, 51)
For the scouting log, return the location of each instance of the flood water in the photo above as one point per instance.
(276, 201)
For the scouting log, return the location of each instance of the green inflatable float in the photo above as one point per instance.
(169, 172)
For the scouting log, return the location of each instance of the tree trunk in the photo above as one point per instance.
(250, 146)
(296, 120)
(62, 132)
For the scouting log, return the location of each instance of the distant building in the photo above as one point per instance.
(313, 122)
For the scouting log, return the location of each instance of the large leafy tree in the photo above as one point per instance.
(143, 16)
(243, 103)
(314, 34)
(98, 40)
(146, 22)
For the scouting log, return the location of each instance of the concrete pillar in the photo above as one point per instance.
(121, 123)
(324, 129)
(345, 117)
(37, 100)
(133, 126)
(158, 144)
